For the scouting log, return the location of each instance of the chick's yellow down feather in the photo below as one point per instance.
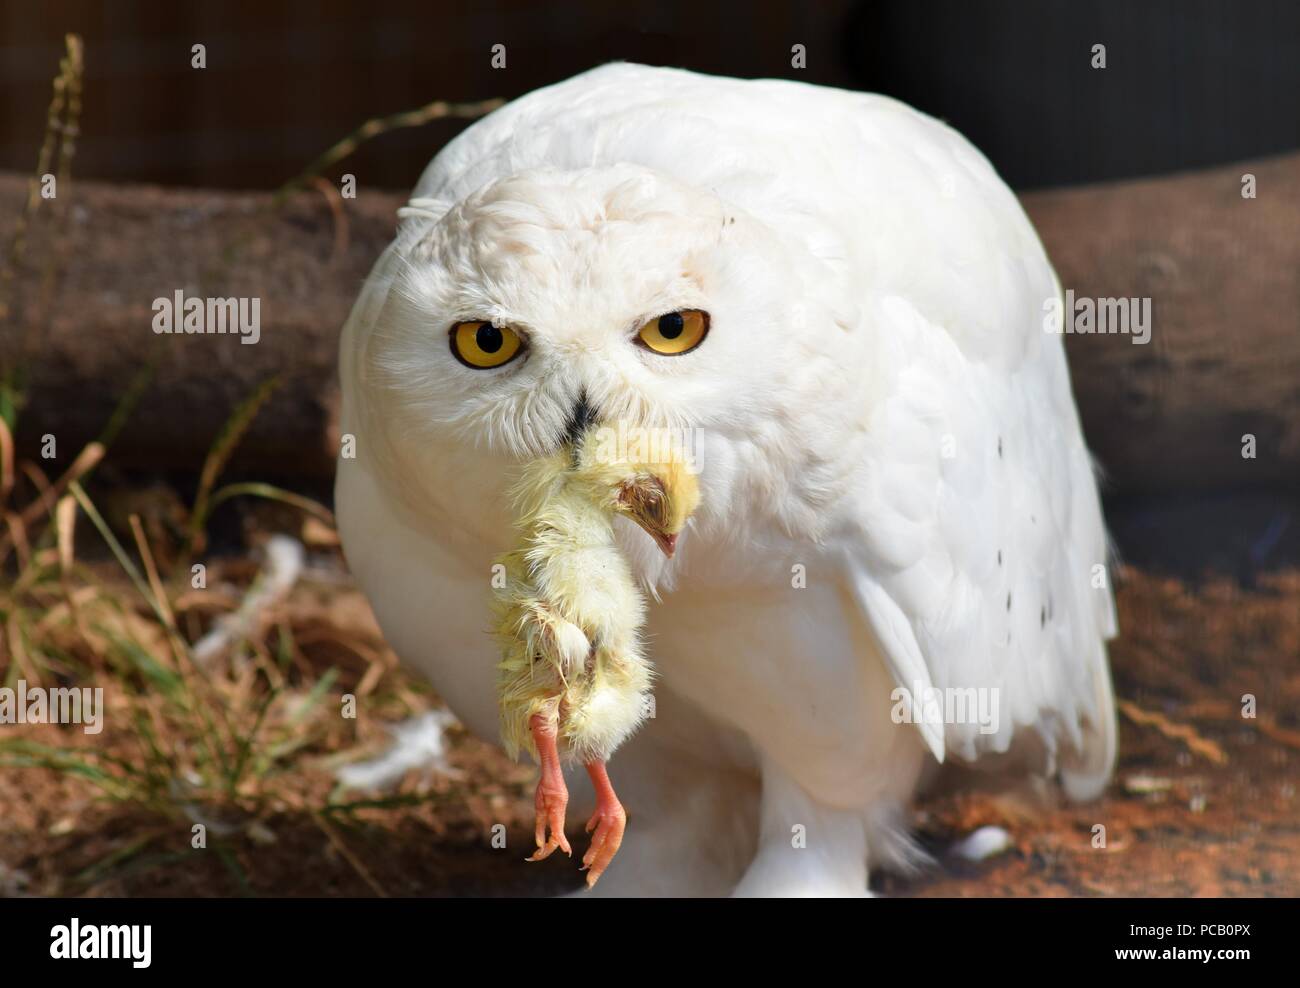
(569, 613)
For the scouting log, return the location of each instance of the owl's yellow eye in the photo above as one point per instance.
(482, 345)
(676, 332)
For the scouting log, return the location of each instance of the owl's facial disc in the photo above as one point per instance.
(619, 281)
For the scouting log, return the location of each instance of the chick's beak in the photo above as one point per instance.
(668, 543)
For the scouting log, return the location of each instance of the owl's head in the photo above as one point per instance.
(551, 300)
(619, 290)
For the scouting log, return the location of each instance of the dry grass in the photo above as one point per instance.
(232, 745)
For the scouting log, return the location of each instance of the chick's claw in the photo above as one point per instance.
(608, 823)
(551, 802)
(552, 794)
(609, 826)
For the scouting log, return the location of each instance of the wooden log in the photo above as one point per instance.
(1223, 361)
(1222, 273)
(125, 246)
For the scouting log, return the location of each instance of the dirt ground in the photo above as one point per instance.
(1204, 801)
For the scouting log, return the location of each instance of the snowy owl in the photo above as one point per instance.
(899, 554)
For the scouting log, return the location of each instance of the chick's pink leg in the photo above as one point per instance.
(608, 821)
(552, 795)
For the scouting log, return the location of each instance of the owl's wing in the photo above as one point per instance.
(972, 534)
(978, 555)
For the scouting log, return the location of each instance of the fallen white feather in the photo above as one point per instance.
(982, 844)
(1145, 785)
(284, 558)
(418, 743)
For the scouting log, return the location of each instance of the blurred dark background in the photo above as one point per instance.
(1187, 83)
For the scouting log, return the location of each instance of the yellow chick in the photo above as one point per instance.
(569, 615)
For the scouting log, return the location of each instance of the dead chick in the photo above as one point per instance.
(574, 674)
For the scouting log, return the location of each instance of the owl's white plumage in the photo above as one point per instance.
(878, 406)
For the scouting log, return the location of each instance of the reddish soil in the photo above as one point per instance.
(1206, 807)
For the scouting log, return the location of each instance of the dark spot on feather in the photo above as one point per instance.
(999, 447)
(1042, 617)
(1008, 602)
(999, 557)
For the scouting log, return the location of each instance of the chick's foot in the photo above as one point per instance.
(552, 794)
(608, 822)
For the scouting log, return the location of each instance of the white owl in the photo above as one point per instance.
(899, 555)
